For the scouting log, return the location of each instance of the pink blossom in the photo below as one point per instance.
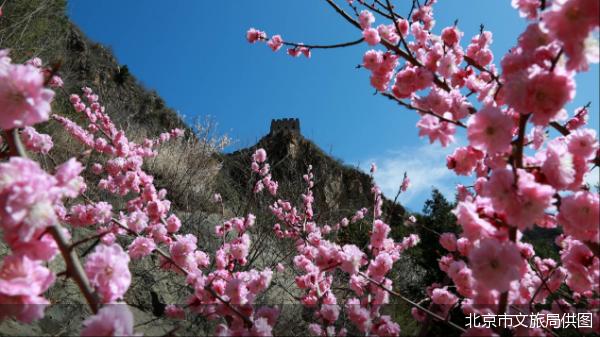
(275, 43)
(579, 215)
(27, 196)
(141, 247)
(524, 205)
(435, 129)
(260, 155)
(352, 259)
(366, 19)
(330, 312)
(490, 129)
(379, 233)
(21, 276)
(23, 308)
(111, 320)
(254, 35)
(405, 183)
(583, 143)
(359, 316)
(542, 93)
(418, 315)
(86, 215)
(448, 241)
(108, 272)
(386, 327)
(380, 266)
(495, 265)
(371, 36)
(570, 22)
(173, 223)
(473, 225)
(174, 311)
(23, 98)
(261, 328)
(182, 251)
(443, 297)
(40, 247)
(451, 35)
(583, 268)
(36, 142)
(558, 167)
(315, 329)
(464, 160)
(527, 8)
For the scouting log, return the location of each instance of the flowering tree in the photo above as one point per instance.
(528, 154)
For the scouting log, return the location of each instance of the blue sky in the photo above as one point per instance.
(194, 53)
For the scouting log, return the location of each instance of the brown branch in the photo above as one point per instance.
(428, 112)
(330, 46)
(407, 300)
(393, 14)
(74, 269)
(560, 128)
(15, 146)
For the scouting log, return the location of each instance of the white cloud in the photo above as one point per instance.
(425, 165)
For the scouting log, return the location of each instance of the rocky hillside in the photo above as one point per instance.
(191, 169)
(339, 189)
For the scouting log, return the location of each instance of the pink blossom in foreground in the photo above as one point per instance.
(108, 271)
(579, 214)
(464, 160)
(24, 100)
(570, 22)
(21, 276)
(583, 268)
(583, 143)
(27, 196)
(111, 320)
(523, 204)
(527, 8)
(490, 129)
(558, 166)
(436, 130)
(495, 265)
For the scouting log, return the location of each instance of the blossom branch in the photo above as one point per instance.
(428, 112)
(407, 300)
(330, 46)
(74, 269)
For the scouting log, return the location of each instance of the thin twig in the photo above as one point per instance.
(330, 46)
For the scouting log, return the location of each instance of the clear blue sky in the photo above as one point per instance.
(194, 53)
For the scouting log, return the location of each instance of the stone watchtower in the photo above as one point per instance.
(291, 125)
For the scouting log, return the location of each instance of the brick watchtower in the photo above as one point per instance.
(291, 125)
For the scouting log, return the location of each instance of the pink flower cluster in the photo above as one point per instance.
(24, 100)
(35, 141)
(262, 168)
